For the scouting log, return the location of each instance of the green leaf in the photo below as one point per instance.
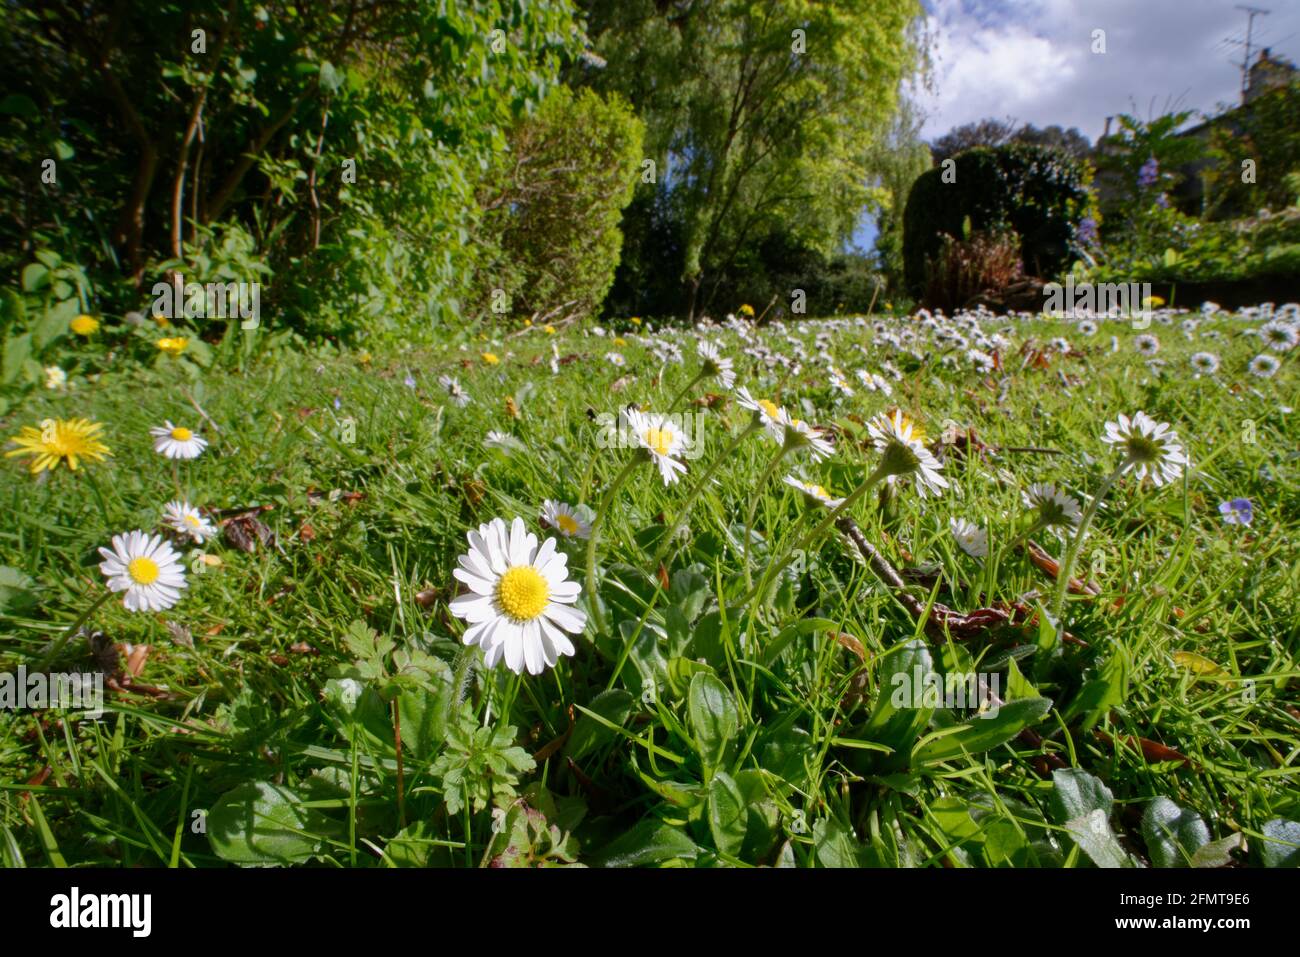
(1093, 834)
(982, 733)
(650, 842)
(18, 350)
(833, 844)
(1075, 793)
(1280, 846)
(727, 814)
(259, 823)
(589, 734)
(1173, 835)
(714, 718)
(15, 590)
(892, 723)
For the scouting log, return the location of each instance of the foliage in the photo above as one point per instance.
(1040, 194)
(993, 132)
(969, 266)
(550, 228)
(1266, 131)
(759, 118)
(1141, 163)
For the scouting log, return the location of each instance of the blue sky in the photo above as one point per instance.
(1032, 60)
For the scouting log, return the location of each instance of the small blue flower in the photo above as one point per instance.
(409, 380)
(1238, 511)
(1086, 233)
(1149, 173)
(338, 403)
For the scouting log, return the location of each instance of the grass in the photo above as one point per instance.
(698, 728)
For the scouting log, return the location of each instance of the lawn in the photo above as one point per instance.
(733, 696)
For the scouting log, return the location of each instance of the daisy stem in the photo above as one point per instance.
(596, 523)
(772, 466)
(871, 481)
(1072, 550)
(684, 512)
(72, 630)
(686, 389)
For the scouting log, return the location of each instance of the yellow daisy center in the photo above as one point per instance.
(143, 571)
(523, 592)
(770, 407)
(566, 523)
(659, 440)
(192, 521)
(182, 434)
(820, 492)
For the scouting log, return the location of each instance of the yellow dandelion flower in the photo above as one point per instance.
(620, 341)
(84, 325)
(550, 330)
(173, 346)
(635, 320)
(490, 358)
(59, 440)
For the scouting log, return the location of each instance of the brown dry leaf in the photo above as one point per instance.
(302, 648)
(307, 533)
(245, 531)
(663, 577)
(474, 491)
(1050, 567)
(852, 644)
(133, 658)
(426, 597)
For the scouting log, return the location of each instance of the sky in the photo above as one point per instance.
(1032, 60)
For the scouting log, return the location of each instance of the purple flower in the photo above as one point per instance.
(1162, 201)
(1149, 173)
(409, 381)
(1238, 511)
(1086, 233)
(338, 404)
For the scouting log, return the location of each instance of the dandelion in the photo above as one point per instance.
(1264, 366)
(1206, 363)
(84, 325)
(1147, 345)
(813, 493)
(974, 541)
(181, 516)
(1237, 511)
(177, 442)
(146, 568)
(59, 440)
(519, 600)
(173, 346)
(746, 310)
(458, 395)
(658, 438)
(55, 378)
(569, 521)
(900, 444)
(490, 358)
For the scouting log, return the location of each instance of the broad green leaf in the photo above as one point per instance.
(727, 814)
(894, 722)
(1172, 834)
(1280, 846)
(649, 842)
(1075, 793)
(259, 823)
(589, 734)
(1093, 834)
(714, 719)
(982, 733)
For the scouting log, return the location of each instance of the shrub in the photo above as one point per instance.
(1041, 194)
(968, 267)
(549, 234)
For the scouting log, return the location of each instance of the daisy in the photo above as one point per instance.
(1148, 345)
(457, 394)
(1279, 336)
(1206, 363)
(1087, 328)
(177, 442)
(1264, 366)
(974, 541)
(59, 440)
(502, 441)
(900, 444)
(518, 604)
(813, 493)
(1055, 508)
(715, 364)
(768, 412)
(185, 518)
(659, 439)
(55, 378)
(616, 359)
(801, 435)
(1150, 447)
(147, 568)
(570, 522)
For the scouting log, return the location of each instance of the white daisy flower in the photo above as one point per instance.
(177, 442)
(800, 435)
(715, 363)
(659, 438)
(1264, 366)
(813, 492)
(1055, 508)
(569, 521)
(1206, 363)
(974, 541)
(1150, 447)
(504, 441)
(518, 604)
(1087, 328)
(767, 410)
(1280, 336)
(55, 378)
(615, 359)
(185, 518)
(901, 445)
(453, 387)
(1148, 345)
(147, 568)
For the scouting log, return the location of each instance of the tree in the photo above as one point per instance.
(993, 132)
(759, 115)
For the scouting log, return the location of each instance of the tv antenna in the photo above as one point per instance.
(1248, 43)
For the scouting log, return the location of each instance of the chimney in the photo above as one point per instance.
(1109, 120)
